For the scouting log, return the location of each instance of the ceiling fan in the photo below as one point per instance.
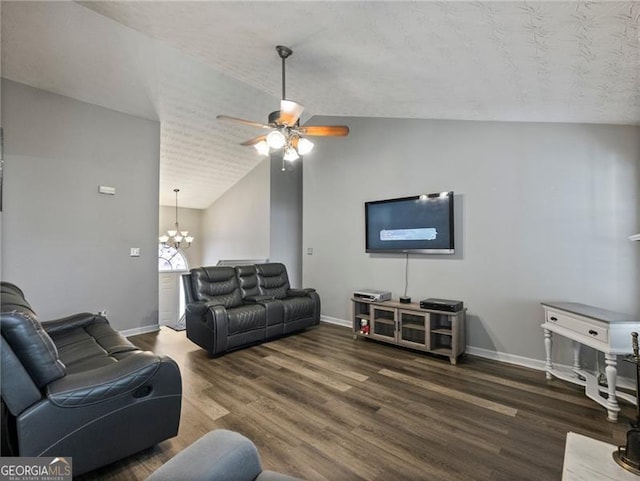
(284, 125)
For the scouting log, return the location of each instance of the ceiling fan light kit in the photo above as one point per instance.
(286, 133)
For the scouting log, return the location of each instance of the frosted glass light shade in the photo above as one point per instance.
(262, 147)
(163, 238)
(188, 239)
(172, 233)
(184, 233)
(291, 154)
(178, 238)
(304, 146)
(276, 139)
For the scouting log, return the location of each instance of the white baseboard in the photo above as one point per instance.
(140, 330)
(335, 320)
(508, 358)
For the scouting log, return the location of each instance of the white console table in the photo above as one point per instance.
(606, 331)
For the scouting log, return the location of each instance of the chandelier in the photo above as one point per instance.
(175, 238)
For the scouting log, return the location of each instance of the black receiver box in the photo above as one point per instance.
(447, 305)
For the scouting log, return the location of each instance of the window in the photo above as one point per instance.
(171, 259)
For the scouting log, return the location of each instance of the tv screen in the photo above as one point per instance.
(419, 224)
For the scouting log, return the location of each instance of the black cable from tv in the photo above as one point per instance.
(404, 299)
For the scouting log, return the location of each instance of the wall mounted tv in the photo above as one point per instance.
(422, 224)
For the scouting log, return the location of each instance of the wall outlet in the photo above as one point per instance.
(309, 251)
(135, 252)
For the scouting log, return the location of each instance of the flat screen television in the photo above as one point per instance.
(421, 224)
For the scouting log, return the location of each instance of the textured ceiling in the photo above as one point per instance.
(185, 62)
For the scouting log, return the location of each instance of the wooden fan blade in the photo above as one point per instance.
(325, 130)
(290, 112)
(254, 140)
(243, 121)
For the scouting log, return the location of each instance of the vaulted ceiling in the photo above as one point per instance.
(182, 63)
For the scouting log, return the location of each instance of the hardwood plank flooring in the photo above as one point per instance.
(323, 407)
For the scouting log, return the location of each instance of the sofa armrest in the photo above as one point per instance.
(208, 312)
(196, 309)
(220, 454)
(117, 379)
(299, 292)
(207, 326)
(258, 298)
(17, 388)
(71, 322)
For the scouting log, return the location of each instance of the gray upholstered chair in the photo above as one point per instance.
(220, 455)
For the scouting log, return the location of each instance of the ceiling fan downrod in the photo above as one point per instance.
(284, 53)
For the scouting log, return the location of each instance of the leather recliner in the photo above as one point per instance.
(76, 387)
(229, 308)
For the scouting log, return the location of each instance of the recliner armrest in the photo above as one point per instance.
(299, 292)
(71, 322)
(96, 385)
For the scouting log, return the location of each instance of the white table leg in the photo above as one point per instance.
(611, 372)
(576, 358)
(548, 343)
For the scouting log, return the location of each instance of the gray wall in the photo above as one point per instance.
(190, 220)
(66, 245)
(286, 217)
(236, 226)
(543, 212)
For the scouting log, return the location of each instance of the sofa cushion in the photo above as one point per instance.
(246, 318)
(29, 341)
(216, 285)
(297, 308)
(248, 281)
(91, 346)
(273, 280)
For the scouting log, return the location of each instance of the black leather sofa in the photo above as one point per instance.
(232, 307)
(76, 387)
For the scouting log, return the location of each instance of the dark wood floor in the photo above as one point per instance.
(322, 406)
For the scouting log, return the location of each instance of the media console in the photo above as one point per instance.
(435, 331)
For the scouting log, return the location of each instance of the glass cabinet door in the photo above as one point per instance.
(413, 327)
(384, 323)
